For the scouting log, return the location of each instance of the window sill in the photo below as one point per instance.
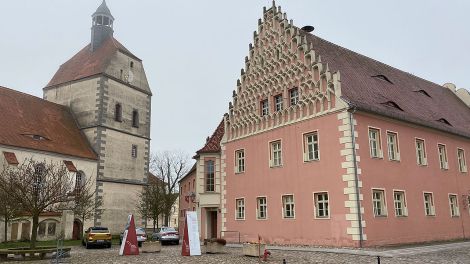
(322, 218)
(239, 219)
(455, 216)
(239, 172)
(394, 160)
(288, 218)
(261, 219)
(433, 215)
(380, 216)
(423, 165)
(377, 158)
(401, 216)
(275, 166)
(312, 160)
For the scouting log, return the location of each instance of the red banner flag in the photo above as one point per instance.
(185, 247)
(129, 244)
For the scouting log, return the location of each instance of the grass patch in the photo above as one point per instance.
(51, 243)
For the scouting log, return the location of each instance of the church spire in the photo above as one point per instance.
(102, 25)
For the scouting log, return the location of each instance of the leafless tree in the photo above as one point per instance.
(170, 167)
(151, 202)
(37, 187)
(9, 210)
(87, 204)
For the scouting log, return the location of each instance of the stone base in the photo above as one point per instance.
(253, 250)
(151, 246)
(214, 248)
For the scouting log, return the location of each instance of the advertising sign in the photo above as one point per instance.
(191, 245)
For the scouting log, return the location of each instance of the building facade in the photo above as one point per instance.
(324, 146)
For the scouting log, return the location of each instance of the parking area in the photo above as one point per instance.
(458, 253)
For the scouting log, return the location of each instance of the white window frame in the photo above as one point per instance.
(258, 208)
(284, 206)
(378, 154)
(454, 212)
(294, 100)
(316, 205)
(432, 208)
(238, 207)
(239, 161)
(278, 102)
(264, 107)
(383, 201)
(393, 155)
(275, 162)
(315, 146)
(403, 201)
(462, 163)
(424, 159)
(442, 154)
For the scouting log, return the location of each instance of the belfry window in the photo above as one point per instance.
(118, 113)
(135, 118)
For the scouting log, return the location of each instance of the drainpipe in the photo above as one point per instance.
(351, 111)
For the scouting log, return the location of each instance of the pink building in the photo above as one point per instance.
(324, 146)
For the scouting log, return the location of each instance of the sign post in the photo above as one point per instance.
(129, 244)
(191, 245)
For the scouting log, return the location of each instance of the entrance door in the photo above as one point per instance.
(25, 230)
(77, 230)
(14, 232)
(213, 223)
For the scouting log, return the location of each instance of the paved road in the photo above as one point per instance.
(457, 253)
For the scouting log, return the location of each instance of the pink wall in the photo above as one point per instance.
(414, 179)
(186, 185)
(294, 177)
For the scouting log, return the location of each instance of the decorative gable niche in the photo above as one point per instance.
(280, 59)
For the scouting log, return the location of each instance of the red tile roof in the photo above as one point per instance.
(70, 166)
(152, 179)
(87, 63)
(374, 94)
(213, 144)
(33, 123)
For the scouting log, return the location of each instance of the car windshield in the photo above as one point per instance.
(168, 229)
(99, 230)
(140, 231)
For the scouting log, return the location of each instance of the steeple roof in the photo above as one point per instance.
(103, 10)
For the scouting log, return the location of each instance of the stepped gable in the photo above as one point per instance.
(33, 123)
(213, 144)
(88, 63)
(371, 85)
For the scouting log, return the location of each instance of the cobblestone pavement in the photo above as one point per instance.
(172, 254)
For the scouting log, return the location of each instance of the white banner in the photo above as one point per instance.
(193, 233)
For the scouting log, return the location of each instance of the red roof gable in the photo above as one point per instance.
(33, 123)
(213, 144)
(87, 63)
(373, 86)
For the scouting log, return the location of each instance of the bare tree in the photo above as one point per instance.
(8, 212)
(87, 204)
(170, 167)
(36, 187)
(151, 202)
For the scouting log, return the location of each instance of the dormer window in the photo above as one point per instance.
(443, 120)
(383, 78)
(135, 118)
(392, 104)
(423, 92)
(118, 113)
(36, 137)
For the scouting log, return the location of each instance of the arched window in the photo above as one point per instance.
(118, 113)
(132, 64)
(79, 180)
(135, 118)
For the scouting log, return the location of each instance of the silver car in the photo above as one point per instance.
(167, 234)
(141, 236)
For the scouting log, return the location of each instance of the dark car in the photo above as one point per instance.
(167, 234)
(141, 236)
(97, 236)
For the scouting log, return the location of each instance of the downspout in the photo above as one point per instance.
(351, 111)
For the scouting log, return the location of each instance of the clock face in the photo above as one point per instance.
(130, 77)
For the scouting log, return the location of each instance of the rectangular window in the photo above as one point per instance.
(392, 143)
(240, 161)
(288, 206)
(210, 179)
(240, 213)
(294, 96)
(278, 103)
(462, 161)
(311, 148)
(264, 107)
(378, 200)
(443, 163)
(42, 229)
(374, 143)
(429, 204)
(134, 151)
(322, 205)
(400, 203)
(454, 205)
(276, 154)
(421, 152)
(135, 118)
(261, 208)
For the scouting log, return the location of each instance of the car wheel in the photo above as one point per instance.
(87, 246)
(140, 244)
(177, 242)
(108, 245)
(83, 243)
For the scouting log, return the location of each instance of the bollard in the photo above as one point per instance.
(284, 261)
(378, 259)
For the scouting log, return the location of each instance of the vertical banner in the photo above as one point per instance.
(191, 245)
(129, 244)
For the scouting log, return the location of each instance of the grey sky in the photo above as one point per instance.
(193, 50)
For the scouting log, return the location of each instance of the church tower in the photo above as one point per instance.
(106, 89)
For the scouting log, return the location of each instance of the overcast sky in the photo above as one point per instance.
(193, 50)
